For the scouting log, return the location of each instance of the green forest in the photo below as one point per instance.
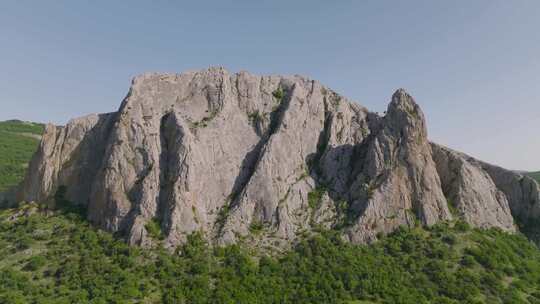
(59, 258)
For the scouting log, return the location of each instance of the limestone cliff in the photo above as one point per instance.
(265, 158)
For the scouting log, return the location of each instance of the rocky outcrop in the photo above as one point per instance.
(471, 191)
(517, 194)
(397, 182)
(69, 155)
(264, 159)
(522, 191)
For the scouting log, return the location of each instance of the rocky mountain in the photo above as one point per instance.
(265, 159)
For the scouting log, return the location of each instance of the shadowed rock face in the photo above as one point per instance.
(264, 159)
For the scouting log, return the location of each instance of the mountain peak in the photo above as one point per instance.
(403, 102)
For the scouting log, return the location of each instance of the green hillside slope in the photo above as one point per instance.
(535, 175)
(59, 258)
(18, 141)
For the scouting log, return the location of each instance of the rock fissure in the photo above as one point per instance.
(252, 158)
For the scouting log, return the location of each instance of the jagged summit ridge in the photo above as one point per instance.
(263, 158)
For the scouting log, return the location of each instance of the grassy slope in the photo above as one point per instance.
(59, 258)
(16, 147)
(535, 175)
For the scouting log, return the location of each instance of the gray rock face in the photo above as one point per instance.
(264, 159)
(521, 191)
(67, 155)
(471, 190)
(396, 182)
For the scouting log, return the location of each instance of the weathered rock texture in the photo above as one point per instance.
(471, 191)
(265, 159)
(501, 196)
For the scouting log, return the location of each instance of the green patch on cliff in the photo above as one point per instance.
(256, 227)
(17, 144)
(278, 94)
(315, 197)
(452, 207)
(153, 228)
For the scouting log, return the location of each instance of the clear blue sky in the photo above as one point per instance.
(474, 66)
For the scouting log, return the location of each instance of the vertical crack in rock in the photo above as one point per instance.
(174, 206)
(313, 163)
(322, 165)
(249, 164)
(164, 196)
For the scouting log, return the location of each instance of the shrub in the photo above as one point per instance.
(462, 226)
(153, 227)
(453, 210)
(35, 263)
(315, 197)
(24, 242)
(256, 227)
(278, 94)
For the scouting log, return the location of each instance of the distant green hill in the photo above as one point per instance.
(18, 141)
(535, 175)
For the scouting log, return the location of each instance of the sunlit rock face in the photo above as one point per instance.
(265, 159)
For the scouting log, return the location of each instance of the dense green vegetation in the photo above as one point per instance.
(16, 147)
(535, 175)
(59, 258)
